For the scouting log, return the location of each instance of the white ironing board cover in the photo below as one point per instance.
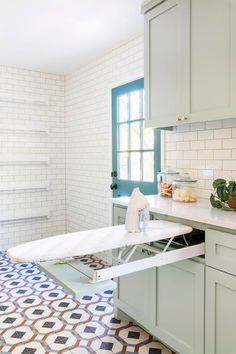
(93, 241)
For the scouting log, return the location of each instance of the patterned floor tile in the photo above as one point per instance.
(133, 335)
(61, 340)
(39, 317)
(47, 325)
(40, 311)
(90, 330)
(10, 320)
(18, 335)
(107, 344)
(154, 348)
(31, 348)
(76, 315)
(100, 308)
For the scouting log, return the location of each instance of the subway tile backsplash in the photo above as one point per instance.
(206, 150)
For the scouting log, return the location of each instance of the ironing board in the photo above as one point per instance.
(94, 241)
(58, 255)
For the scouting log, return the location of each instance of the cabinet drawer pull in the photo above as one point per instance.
(181, 119)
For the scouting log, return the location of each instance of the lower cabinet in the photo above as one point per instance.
(167, 301)
(179, 310)
(135, 295)
(220, 312)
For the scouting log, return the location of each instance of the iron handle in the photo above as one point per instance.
(113, 173)
(113, 186)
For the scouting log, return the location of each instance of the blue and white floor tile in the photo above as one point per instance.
(39, 317)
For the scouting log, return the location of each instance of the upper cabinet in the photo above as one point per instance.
(190, 56)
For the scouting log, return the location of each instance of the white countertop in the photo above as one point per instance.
(201, 211)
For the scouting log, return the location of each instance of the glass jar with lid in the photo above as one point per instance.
(184, 189)
(165, 180)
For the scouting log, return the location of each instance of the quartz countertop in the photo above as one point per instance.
(200, 212)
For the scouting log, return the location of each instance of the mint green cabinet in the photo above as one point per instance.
(119, 214)
(166, 63)
(190, 72)
(221, 250)
(220, 312)
(180, 306)
(135, 295)
(167, 301)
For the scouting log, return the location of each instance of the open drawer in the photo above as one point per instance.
(75, 277)
(79, 279)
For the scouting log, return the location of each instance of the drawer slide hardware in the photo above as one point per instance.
(159, 259)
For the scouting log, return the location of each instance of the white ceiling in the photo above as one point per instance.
(59, 36)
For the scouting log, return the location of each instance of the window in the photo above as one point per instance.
(136, 150)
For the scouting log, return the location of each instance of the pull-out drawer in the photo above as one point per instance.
(79, 279)
(221, 250)
(75, 277)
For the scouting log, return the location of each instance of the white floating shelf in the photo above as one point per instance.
(38, 213)
(24, 129)
(27, 99)
(13, 187)
(23, 160)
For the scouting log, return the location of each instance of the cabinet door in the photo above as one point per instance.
(167, 31)
(180, 306)
(220, 312)
(213, 56)
(119, 215)
(135, 295)
(135, 300)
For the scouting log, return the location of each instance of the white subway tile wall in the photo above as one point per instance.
(208, 151)
(75, 157)
(45, 150)
(88, 133)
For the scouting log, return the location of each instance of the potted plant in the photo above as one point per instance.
(224, 196)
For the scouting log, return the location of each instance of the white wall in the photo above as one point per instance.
(88, 133)
(18, 82)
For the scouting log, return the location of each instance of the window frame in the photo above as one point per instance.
(117, 91)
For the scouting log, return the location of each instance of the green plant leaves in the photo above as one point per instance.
(216, 203)
(223, 190)
(232, 189)
(219, 182)
(212, 200)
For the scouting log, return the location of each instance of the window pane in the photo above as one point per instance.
(135, 105)
(148, 139)
(148, 166)
(135, 136)
(135, 158)
(123, 108)
(123, 136)
(123, 162)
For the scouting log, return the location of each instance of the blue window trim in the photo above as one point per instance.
(146, 187)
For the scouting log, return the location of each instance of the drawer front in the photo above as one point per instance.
(221, 251)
